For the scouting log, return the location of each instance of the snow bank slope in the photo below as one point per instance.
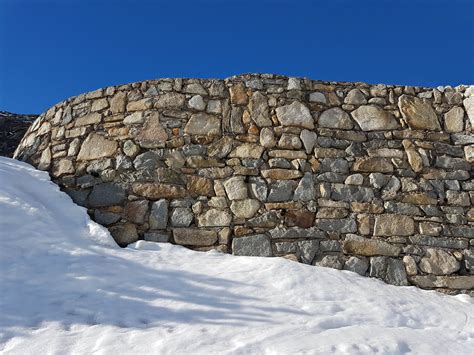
(66, 287)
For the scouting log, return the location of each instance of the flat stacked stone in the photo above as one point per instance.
(375, 179)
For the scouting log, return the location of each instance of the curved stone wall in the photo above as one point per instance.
(376, 179)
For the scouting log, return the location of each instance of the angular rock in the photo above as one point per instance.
(335, 118)
(196, 102)
(199, 186)
(214, 218)
(281, 174)
(124, 234)
(203, 124)
(300, 218)
(247, 151)
(439, 262)
(107, 194)
(454, 120)
(358, 265)
(451, 282)
(349, 193)
(418, 114)
(181, 217)
(393, 225)
(236, 188)
(194, 236)
(96, 146)
(332, 261)
(267, 138)
(280, 191)
(295, 114)
(259, 111)
(395, 273)
(374, 118)
(155, 191)
(238, 96)
(373, 164)
(305, 191)
(355, 97)
(469, 106)
(152, 134)
(245, 208)
(135, 211)
(354, 179)
(106, 218)
(410, 265)
(159, 214)
(258, 188)
(346, 225)
(252, 245)
(157, 237)
(267, 220)
(289, 141)
(309, 140)
(221, 148)
(307, 250)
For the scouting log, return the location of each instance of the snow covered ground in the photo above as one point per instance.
(67, 288)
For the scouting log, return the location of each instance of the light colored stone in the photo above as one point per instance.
(355, 97)
(439, 262)
(134, 118)
(252, 245)
(281, 174)
(373, 164)
(152, 135)
(295, 114)
(418, 114)
(90, 119)
(414, 158)
(374, 118)
(393, 225)
(245, 208)
(354, 179)
(335, 118)
(369, 247)
(118, 102)
(236, 188)
(469, 106)
(155, 191)
(305, 191)
(358, 265)
(214, 218)
(469, 153)
(197, 102)
(289, 141)
(410, 265)
(267, 138)
(96, 146)
(159, 214)
(454, 120)
(63, 167)
(309, 140)
(317, 97)
(259, 111)
(247, 150)
(170, 100)
(181, 217)
(203, 124)
(130, 149)
(238, 96)
(45, 159)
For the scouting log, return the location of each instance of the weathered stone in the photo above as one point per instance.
(287, 154)
(181, 217)
(63, 167)
(439, 262)
(418, 114)
(309, 140)
(289, 141)
(221, 148)
(259, 111)
(451, 282)
(196, 102)
(454, 120)
(134, 118)
(410, 265)
(305, 191)
(236, 188)
(130, 149)
(152, 134)
(335, 118)
(247, 151)
(341, 192)
(395, 273)
(96, 146)
(420, 198)
(346, 225)
(327, 212)
(106, 218)
(124, 234)
(195, 237)
(267, 138)
(373, 164)
(332, 261)
(203, 124)
(373, 118)
(356, 264)
(469, 153)
(438, 242)
(155, 191)
(140, 105)
(159, 214)
(299, 218)
(157, 237)
(354, 179)
(414, 158)
(107, 194)
(214, 218)
(334, 165)
(90, 119)
(458, 198)
(378, 180)
(281, 174)
(267, 220)
(118, 102)
(370, 247)
(355, 97)
(392, 224)
(402, 208)
(317, 97)
(199, 186)
(245, 208)
(295, 114)
(280, 191)
(447, 162)
(469, 106)
(252, 245)
(238, 96)
(135, 211)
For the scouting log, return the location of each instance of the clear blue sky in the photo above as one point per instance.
(54, 49)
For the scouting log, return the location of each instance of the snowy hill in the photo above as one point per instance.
(67, 288)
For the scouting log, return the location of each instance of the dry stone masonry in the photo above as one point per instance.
(376, 179)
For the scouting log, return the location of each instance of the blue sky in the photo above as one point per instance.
(54, 49)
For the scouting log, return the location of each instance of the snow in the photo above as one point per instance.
(67, 288)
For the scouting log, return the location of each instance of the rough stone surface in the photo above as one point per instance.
(374, 118)
(96, 146)
(295, 114)
(392, 224)
(252, 245)
(418, 114)
(439, 262)
(335, 118)
(159, 214)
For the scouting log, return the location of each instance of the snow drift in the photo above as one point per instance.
(67, 288)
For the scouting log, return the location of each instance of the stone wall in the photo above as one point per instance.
(376, 179)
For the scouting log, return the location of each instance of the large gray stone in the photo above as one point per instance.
(245, 208)
(295, 114)
(181, 217)
(107, 194)
(374, 118)
(357, 264)
(469, 106)
(96, 146)
(124, 234)
(281, 191)
(307, 250)
(203, 124)
(305, 191)
(236, 188)
(395, 273)
(258, 188)
(355, 97)
(252, 245)
(159, 214)
(341, 192)
(394, 225)
(309, 140)
(296, 233)
(346, 225)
